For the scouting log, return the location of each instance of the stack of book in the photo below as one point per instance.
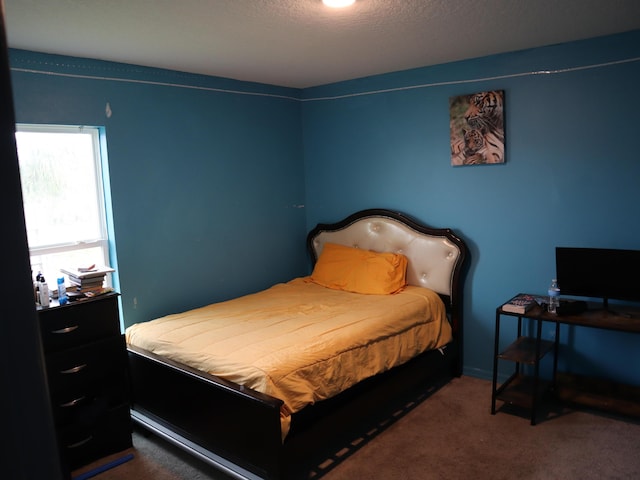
(88, 281)
(521, 303)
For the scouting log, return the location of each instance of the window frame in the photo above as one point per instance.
(102, 241)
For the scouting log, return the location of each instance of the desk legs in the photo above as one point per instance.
(536, 374)
(496, 344)
(554, 383)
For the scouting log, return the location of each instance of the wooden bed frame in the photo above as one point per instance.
(238, 429)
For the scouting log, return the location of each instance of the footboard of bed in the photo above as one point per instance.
(234, 428)
(238, 430)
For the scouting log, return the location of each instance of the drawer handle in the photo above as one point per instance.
(73, 402)
(74, 369)
(81, 442)
(65, 330)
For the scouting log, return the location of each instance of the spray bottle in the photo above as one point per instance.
(43, 290)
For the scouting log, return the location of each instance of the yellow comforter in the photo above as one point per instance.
(299, 341)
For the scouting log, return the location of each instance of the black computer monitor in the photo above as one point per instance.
(599, 273)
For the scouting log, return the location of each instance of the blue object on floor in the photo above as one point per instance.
(105, 467)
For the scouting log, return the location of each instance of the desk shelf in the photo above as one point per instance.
(519, 390)
(523, 350)
(599, 393)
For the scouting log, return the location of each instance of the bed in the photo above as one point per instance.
(250, 408)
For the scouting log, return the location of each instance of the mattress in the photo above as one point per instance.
(299, 341)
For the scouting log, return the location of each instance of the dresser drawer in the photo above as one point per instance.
(90, 408)
(79, 323)
(82, 443)
(94, 385)
(82, 367)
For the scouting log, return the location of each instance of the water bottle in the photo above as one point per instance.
(62, 292)
(554, 297)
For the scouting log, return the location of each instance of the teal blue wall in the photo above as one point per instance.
(206, 181)
(572, 175)
(213, 191)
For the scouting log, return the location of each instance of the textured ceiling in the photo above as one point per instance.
(301, 43)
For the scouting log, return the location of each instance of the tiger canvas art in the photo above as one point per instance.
(477, 128)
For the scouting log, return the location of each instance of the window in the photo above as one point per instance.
(63, 195)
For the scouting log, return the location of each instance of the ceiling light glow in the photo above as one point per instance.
(338, 3)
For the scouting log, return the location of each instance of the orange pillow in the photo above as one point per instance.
(360, 271)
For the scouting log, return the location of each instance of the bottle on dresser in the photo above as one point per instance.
(554, 297)
(43, 290)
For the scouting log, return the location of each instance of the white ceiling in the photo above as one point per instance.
(301, 43)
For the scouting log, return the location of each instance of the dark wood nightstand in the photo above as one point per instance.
(86, 364)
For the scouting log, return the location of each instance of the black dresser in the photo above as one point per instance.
(86, 364)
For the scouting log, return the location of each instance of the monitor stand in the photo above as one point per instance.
(605, 308)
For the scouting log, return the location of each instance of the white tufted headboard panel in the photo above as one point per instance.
(435, 255)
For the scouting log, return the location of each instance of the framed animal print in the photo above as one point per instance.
(477, 128)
